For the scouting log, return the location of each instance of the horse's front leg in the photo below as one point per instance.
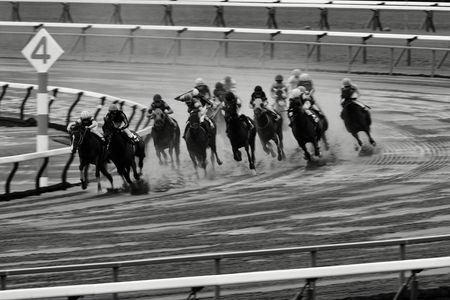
(307, 155)
(371, 140)
(97, 176)
(107, 175)
(158, 154)
(279, 148)
(194, 161)
(251, 161)
(136, 175)
(317, 148)
(355, 135)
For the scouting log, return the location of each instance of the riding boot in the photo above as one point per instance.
(185, 131)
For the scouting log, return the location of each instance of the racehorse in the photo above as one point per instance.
(306, 130)
(357, 119)
(198, 139)
(122, 153)
(166, 135)
(240, 134)
(90, 151)
(268, 129)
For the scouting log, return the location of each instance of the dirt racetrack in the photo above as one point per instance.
(399, 191)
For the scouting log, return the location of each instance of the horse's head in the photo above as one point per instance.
(259, 107)
(194, 119)
(160, 117)
(77, 133)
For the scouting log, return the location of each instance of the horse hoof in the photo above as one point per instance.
(219, 162)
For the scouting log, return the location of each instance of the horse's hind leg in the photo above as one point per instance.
(97, 177)
(306, 153)
(251, 157)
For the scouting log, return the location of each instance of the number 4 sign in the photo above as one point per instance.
(42, 51)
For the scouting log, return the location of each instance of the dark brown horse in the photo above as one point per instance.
(268, 130)
(241, 132)
(122, 154)
(199, 137)
(166, 135)
(91, 150)
(357, 119)
(306, 130)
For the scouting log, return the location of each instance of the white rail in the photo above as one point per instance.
(205, 29)
(415, 265)
(65, 150)
(388, 5)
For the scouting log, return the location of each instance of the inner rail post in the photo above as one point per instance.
(217, 272)
(402, 257)
(115, 273)
(3, 282)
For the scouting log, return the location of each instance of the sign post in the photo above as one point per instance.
(42, 51)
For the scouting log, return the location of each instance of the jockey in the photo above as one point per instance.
(309, 104)
(258, 93)
(295, 74)
(229, 84)
(204, 101)
(278, 89)
(350, 92)
(202, 88)
(306, 81)
(230, 100)
(194, 105)
(295, 101)
(87, 120)
(219, 92)
(292, 84)
(158, 102)
(116, 118)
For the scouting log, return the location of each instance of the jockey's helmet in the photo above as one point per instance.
(305, 77)
(112, 107)
(199, 81)
(227, 79)
(279, 77)
(258, 88)
(296, 72)
(187, 98)
(346, 82)
(85, 115)
(195, 92)
(219, 85)
(157, 97)
(296, 93)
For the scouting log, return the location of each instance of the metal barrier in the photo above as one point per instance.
(271, 5)
(59, 122)
(196, 283)
(217, 258)
(313, 48)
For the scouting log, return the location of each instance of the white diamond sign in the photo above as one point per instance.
(42, 51)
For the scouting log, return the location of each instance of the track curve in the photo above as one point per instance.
(399, 191)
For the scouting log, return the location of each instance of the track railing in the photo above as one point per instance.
(271, 5)
(266, 37)
(196, 283)
(63, 106)
(217, 258)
